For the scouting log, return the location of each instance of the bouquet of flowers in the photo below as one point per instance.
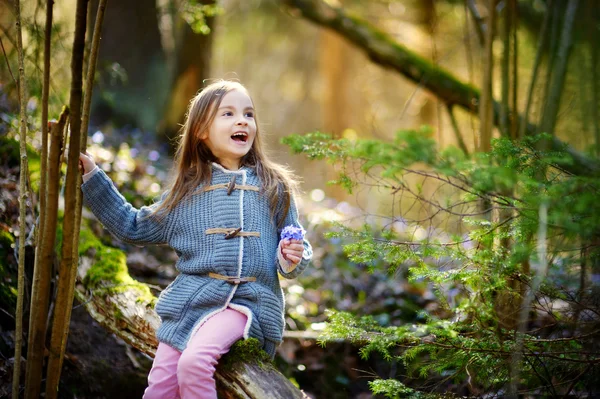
(292, 233)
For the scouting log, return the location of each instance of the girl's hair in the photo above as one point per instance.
(192, 164)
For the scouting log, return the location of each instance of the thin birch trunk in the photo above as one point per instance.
(22, 208)
(85, 116)
(593, 14)
(504, 108)
(536, 67)
(44, 261)
(523, 317)
(486, 114)
(514, 115)
(45, 95)
(89, 84)
(64, 298)
(40, 290)
(550, 114)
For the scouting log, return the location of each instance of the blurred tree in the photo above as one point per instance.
(192, 55)
(133, 78)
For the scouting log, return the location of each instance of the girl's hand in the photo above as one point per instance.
(292, 250)
(86, 163)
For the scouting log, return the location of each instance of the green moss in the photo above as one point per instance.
(109, 271)
(245, 351)
(117, 313)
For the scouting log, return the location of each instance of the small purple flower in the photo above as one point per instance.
(292, 233)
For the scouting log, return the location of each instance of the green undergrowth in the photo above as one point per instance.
(245, 351)
(10, 155)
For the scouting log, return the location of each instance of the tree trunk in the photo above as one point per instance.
(23, 172)
(486, 100)
(560, 70)
(536, 66)
(132, 71)
(40, 297)
(64, 297)
(40, 289)
(192, 66)
(333, 67)
(238, 376)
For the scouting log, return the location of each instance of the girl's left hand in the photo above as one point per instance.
(292, 250)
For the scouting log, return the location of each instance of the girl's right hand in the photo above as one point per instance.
(86, 163)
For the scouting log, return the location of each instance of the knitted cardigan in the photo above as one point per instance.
(193, 297)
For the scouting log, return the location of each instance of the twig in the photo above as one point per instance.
(480, 26)
(8, 64)
(570, 388)
(459, 138)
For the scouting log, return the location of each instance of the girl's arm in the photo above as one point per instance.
(128, 224)
(292, 266)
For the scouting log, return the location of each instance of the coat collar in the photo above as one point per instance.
(220, 168)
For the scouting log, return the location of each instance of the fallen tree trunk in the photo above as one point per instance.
(126, 308)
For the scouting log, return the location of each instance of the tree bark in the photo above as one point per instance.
(536, 67)
(383, 50)
(64, 298)
(560, 70)
(40, 289)
(192, 66)
(22, 207)
(40, 296)
(486, 113)
(505, 71)
(121, 312)
(132, 72)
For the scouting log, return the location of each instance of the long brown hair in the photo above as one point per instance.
(192, 164)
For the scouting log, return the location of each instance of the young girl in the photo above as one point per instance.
(224, 216)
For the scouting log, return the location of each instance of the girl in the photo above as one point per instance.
(223, 215)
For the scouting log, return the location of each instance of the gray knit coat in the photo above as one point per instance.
(193, 296)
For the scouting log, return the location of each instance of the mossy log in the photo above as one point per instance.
(382, 49)
(126, 308)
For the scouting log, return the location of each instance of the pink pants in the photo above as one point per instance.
(189, 374)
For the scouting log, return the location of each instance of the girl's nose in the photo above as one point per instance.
(242, 122)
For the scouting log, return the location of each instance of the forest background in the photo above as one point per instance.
(465, 236)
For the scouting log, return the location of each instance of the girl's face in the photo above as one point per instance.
(232, 132)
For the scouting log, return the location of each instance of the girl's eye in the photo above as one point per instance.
(250, 114)
(228, 113)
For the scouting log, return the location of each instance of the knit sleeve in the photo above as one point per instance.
(128, 224)
(286, 269)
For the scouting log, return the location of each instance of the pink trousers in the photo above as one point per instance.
(189, 374)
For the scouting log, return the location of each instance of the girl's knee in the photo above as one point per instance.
(198, 364)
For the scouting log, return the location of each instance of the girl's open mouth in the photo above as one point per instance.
(240, 136)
